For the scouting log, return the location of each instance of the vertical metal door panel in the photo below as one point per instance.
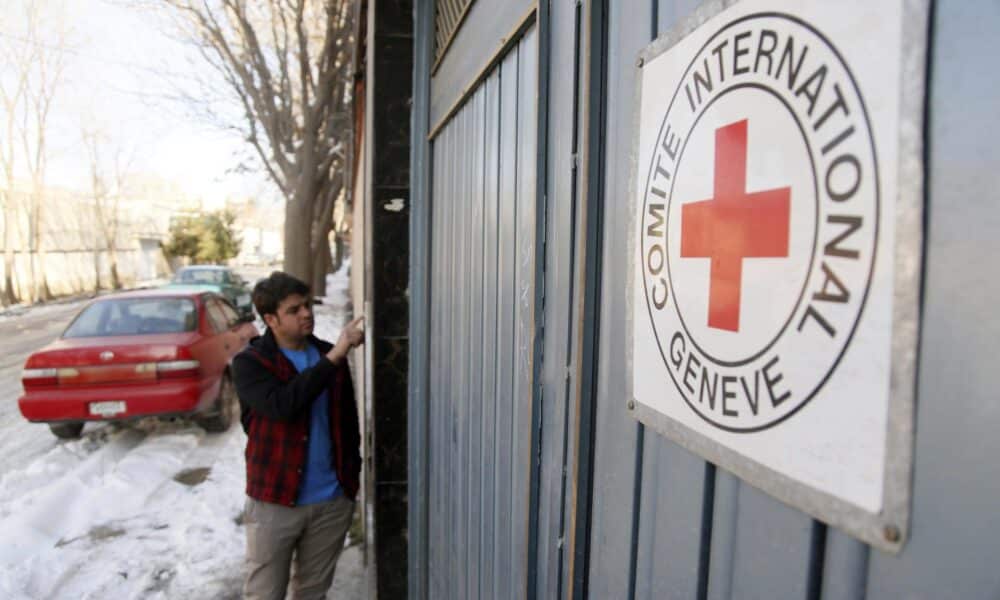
(723, 548)
(760, 548)
(673, 480)
(505, 332)
(670, 521)
(475, 355)
(484, 301)
(845, 568)
(558, 300)
(448, 434)
(448, 293)
(434, 392)
(461, 342)
(453, 499)
(723, 545)
(466, 199)
(445, 298)
(435, 559)
(772, 553)
(671, 12)
(438, 560)
(955, 535)
(615, 443)
(491, 89)
(451, 463)
(524, 324)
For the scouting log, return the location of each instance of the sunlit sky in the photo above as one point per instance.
(122, 71)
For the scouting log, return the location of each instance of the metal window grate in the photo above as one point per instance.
(448, 15)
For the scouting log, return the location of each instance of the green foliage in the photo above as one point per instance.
(206, 239)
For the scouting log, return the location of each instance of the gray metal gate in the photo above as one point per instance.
(482, 331)
(531, 480)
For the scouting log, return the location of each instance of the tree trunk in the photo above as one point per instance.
(298, 260)
(9, 295)
(338, 252)
(97, 271)
(116, 282)
(45, 294)
(33, 248)
(39, 281)
(321, 266)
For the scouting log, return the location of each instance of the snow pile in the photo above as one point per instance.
(103, 517)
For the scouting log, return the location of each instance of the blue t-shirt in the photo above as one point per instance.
(319, 480)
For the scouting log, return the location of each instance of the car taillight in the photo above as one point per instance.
(177, 368)
(39, 377)
(67, 375)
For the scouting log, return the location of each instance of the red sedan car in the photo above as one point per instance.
(139, 354)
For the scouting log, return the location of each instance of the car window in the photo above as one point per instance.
(229, 312)
(216, 315)
(196, 276)
(91, 321)
(134, 316)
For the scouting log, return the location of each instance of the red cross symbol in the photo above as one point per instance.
(733, 225)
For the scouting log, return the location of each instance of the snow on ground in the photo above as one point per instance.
(17, 311)
(152, 510)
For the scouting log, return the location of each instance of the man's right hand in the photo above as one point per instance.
(350, 337)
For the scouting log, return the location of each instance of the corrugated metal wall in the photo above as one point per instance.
(658, 521)
(482, 322)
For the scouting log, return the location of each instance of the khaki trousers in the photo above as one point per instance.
(313, 534)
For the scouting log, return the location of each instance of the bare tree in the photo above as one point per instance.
(18, 58)
(109, 165)
(40, 70)
(286, 65)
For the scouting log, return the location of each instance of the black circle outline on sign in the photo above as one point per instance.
(815, 236)
(872, 265)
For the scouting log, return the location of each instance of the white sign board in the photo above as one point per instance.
(777, 197)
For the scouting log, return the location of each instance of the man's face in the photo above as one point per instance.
(294, 318)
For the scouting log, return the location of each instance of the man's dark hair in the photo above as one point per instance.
(268, 293)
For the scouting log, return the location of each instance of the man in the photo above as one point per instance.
(297, 408)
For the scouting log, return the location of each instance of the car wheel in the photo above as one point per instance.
(221, 415)
(66, 431)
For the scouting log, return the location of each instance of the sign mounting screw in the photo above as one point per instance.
(891, 533)
(631, 404)
(639, 62)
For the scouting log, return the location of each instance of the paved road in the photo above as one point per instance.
(20, 335)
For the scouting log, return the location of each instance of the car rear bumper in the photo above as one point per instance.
(67, 404)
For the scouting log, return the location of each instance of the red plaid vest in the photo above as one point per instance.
(276, 449)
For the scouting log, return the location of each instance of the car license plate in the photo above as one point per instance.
(107, 409)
